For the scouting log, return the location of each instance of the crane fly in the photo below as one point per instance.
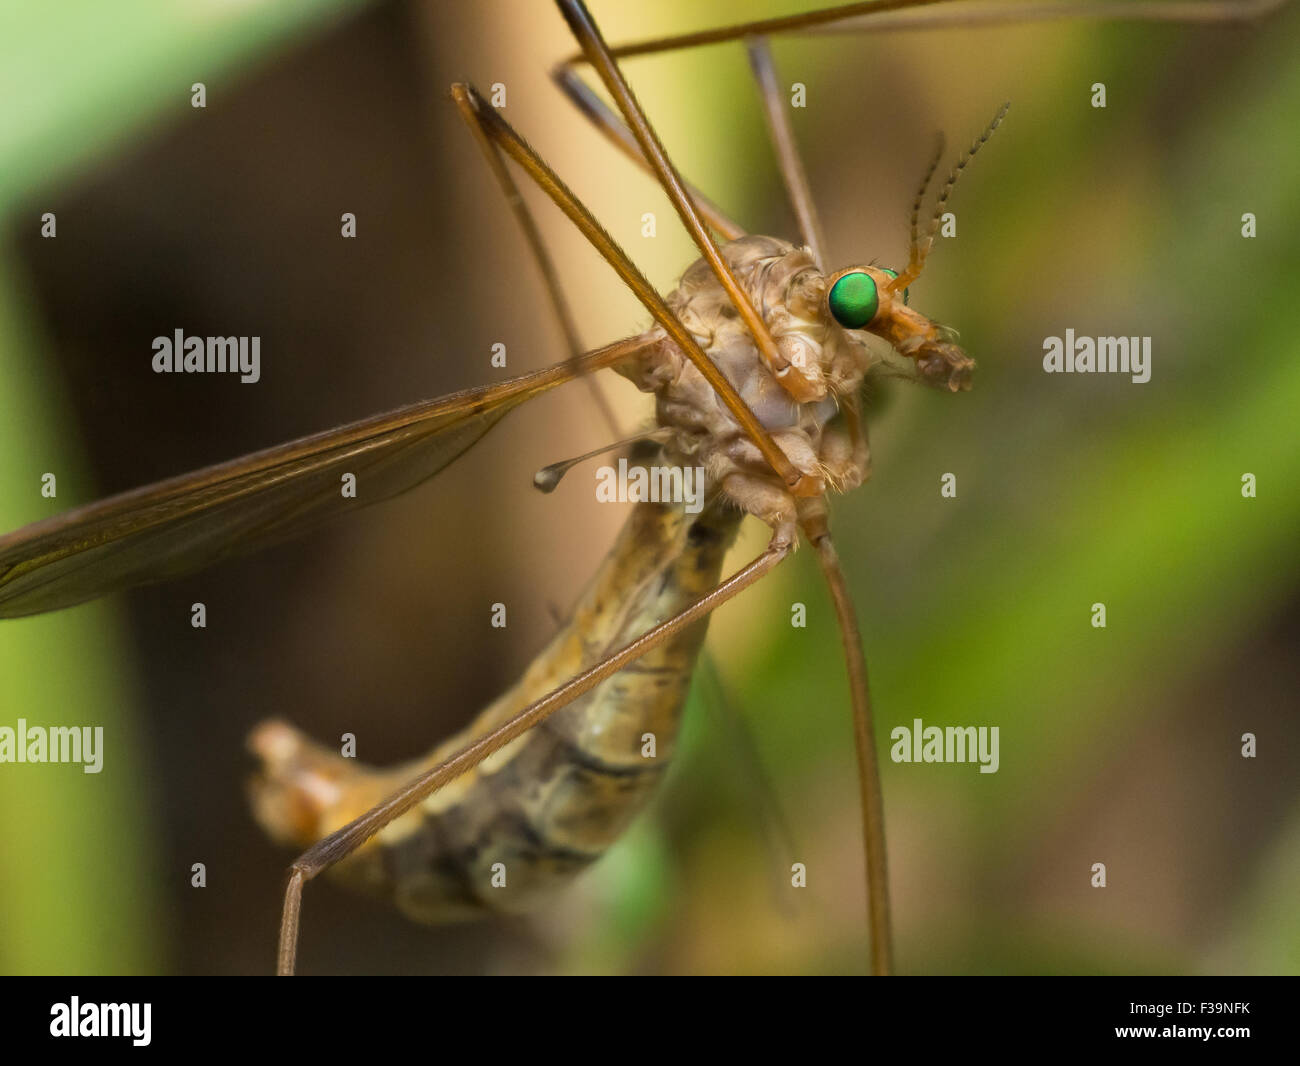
(757, 361)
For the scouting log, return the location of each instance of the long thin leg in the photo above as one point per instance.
(501, 133)
(338, 845)
(597, 112)
(812, 518)
(533, 237)
(771, 819)
(597, 52)
(787, 150)
(877, 15)
(814, 524)
(560, 307)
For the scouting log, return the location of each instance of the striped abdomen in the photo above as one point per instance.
(552, 801)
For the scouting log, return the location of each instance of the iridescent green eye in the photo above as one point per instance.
(894, 274)
(853, 300)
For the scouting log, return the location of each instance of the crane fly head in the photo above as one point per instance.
(871, 299)
(874, 299)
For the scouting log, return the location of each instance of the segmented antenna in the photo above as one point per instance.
(919, 253)
(913, 247)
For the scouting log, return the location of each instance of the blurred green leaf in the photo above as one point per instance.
(79, 76)
(77, 80)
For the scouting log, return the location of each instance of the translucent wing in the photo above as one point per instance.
(186, 523)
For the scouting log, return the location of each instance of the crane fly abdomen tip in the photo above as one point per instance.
(297, 782)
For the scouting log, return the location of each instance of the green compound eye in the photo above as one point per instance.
(894, 274)
(853, 300)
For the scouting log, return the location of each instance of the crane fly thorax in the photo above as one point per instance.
(819, 436)
(789, 291)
